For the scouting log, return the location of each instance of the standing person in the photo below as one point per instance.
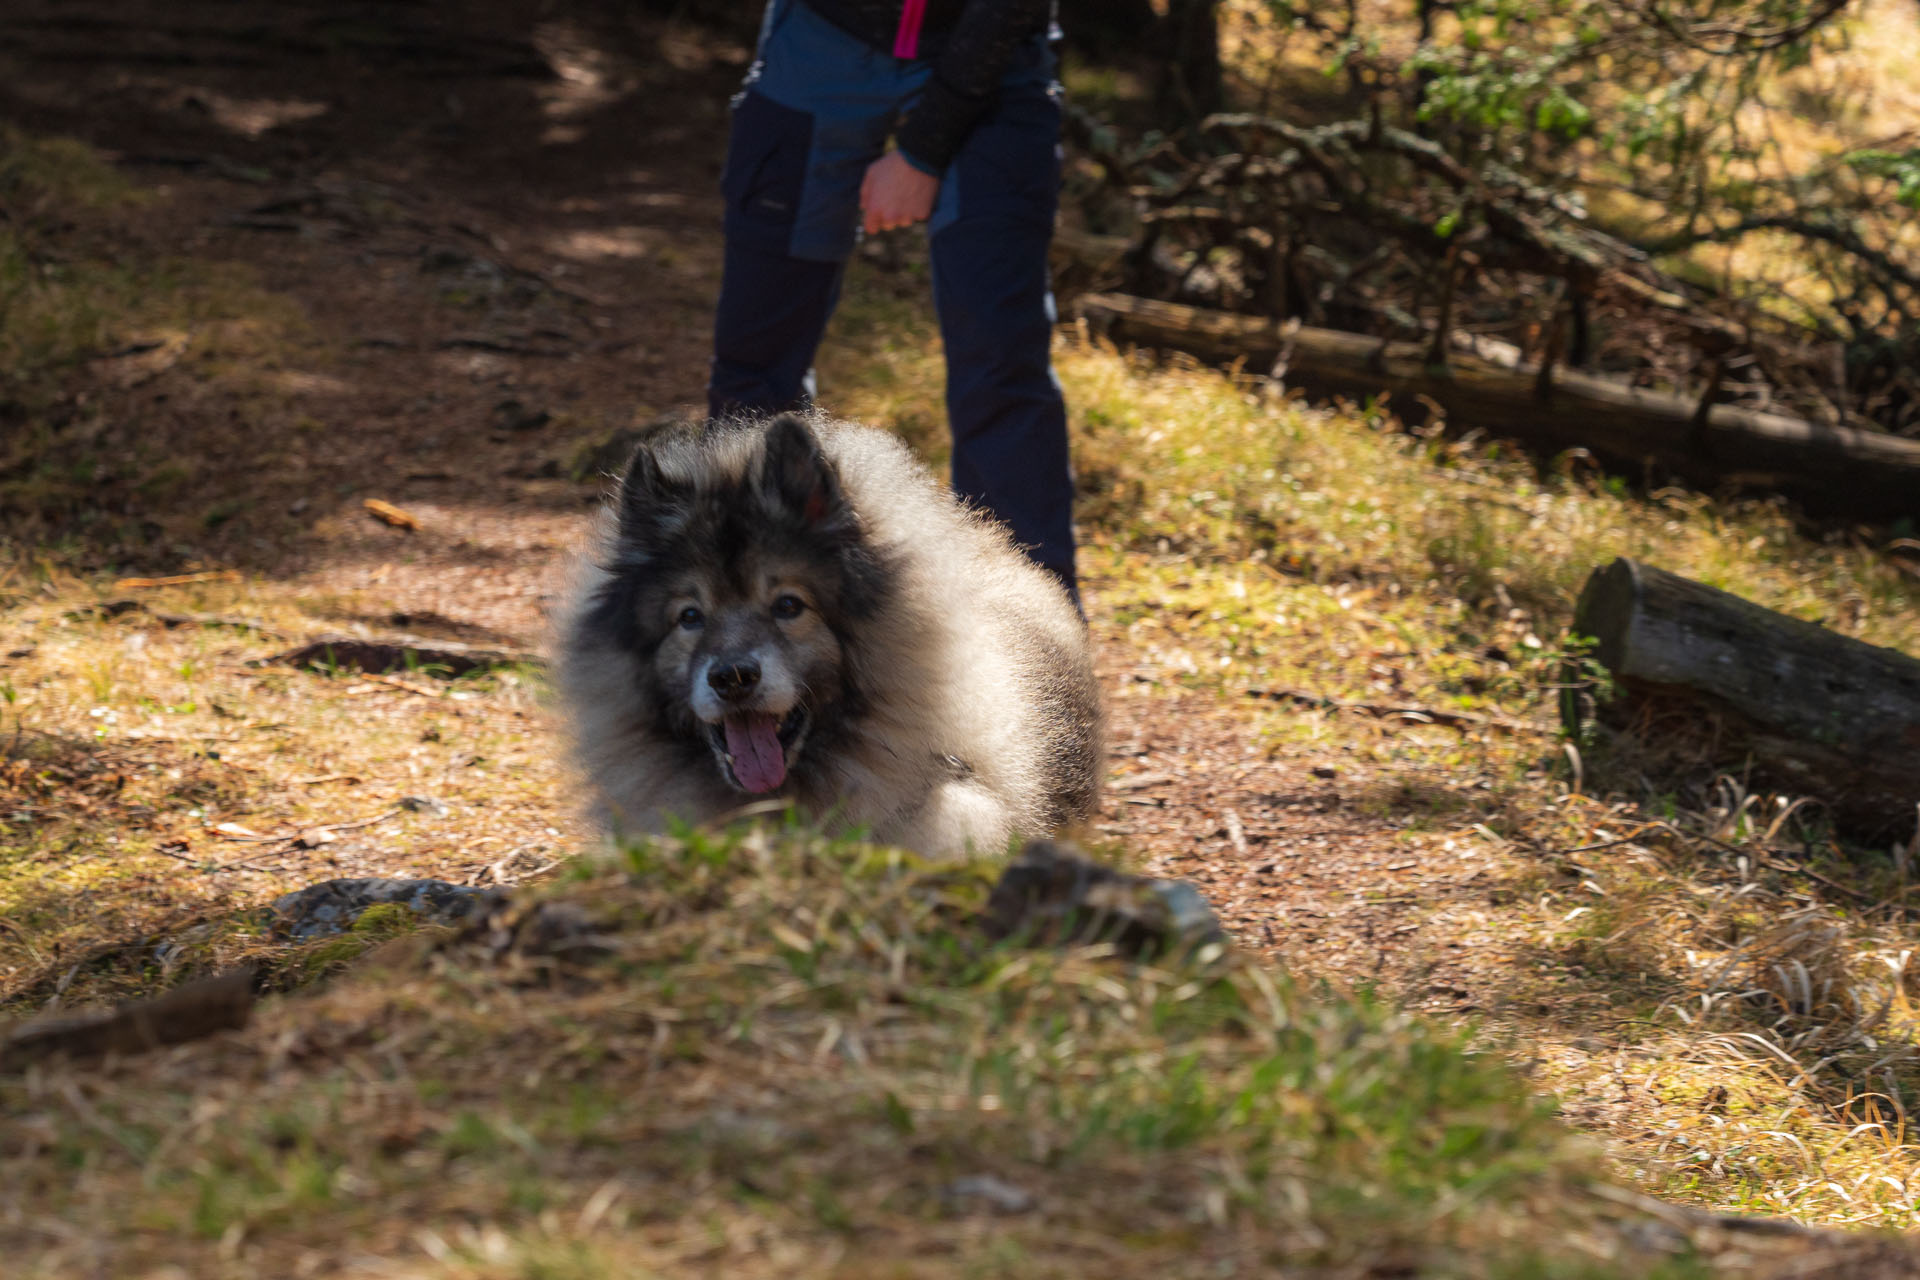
(965, 91)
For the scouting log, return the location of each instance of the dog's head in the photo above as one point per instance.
(740, 568)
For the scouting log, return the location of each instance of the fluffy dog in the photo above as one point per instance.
(796, 609)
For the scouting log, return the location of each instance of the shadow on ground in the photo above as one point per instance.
(422, 255)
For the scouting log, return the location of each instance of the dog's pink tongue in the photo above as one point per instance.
(753, 740)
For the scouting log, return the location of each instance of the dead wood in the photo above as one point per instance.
(1815, 712)
(388, 514)
(1830, 470)
(177, 580)
(190, 1012)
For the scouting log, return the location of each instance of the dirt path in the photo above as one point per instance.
(502, 239)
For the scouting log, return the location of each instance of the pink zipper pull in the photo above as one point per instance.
(906, 42)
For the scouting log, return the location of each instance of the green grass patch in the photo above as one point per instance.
(698, 1086)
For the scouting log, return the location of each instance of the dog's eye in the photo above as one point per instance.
(788, 606)
(691, 618)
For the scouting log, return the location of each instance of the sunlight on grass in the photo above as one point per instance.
(807, 1043)
(1239, 541)
(128, 746)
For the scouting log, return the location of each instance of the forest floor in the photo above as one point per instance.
(327, 260)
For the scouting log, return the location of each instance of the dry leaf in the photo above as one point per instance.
(387, 513)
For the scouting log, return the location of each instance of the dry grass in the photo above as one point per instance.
(788, 1053)
(781, 1056)
(129, 744)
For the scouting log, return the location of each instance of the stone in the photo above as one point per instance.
(1053, 893)
(989, 1192)
(331, 907)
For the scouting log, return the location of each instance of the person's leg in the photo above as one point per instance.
(773, 306)
(815, 112)
(996, 312)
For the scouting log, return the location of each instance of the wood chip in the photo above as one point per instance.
(1237, 833)
(387, 513)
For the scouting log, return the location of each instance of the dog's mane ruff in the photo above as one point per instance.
(971, 653)
(959, 652)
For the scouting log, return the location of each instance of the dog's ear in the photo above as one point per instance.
(797, 476)
(650, 499)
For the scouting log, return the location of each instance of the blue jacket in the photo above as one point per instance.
(969, 42)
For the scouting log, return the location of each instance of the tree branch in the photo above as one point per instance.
(1840, 237)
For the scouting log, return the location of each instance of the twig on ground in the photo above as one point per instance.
(1386, 711)
(207, 864)
(241, 835)
(1762, 857)
(1608, 844)
(177, 580)
(397, 683)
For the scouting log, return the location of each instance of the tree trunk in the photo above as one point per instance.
(1859, 475)
(1192, 89)
(1104, 28)
(1815, 712)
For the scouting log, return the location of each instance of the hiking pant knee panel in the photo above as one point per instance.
(773, 311)
(773, 307)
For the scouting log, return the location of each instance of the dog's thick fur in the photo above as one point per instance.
(926, 681)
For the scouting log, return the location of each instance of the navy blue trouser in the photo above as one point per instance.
(818, 108)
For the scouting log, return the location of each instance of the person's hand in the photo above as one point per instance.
(895, 194)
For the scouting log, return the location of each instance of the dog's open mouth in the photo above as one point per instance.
(753, 747)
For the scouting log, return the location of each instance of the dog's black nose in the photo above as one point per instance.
(734, 680)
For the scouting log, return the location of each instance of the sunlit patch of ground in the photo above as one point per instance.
(1240, 547)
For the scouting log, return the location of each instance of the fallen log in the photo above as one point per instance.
(1812, 711)
(1839, 471)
